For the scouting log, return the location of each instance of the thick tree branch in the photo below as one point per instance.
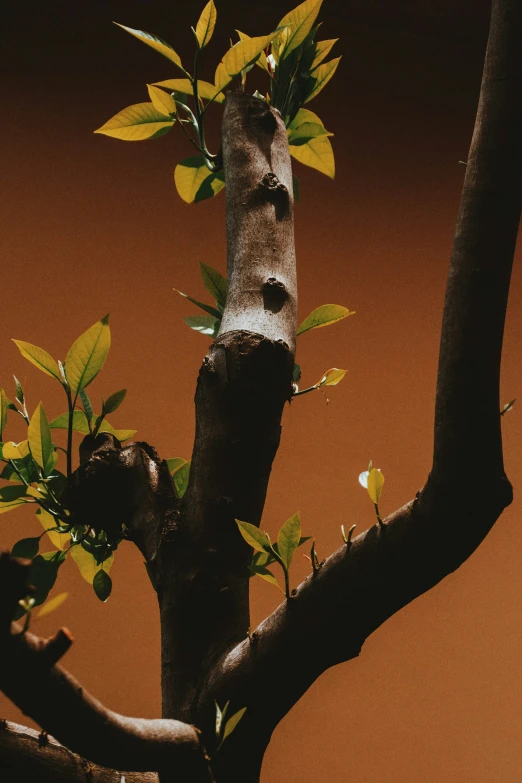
(57, 702)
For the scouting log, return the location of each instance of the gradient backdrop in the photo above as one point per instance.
(91, 225)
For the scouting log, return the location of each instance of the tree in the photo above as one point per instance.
(466, 454)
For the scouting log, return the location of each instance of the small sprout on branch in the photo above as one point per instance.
(348, 539)
(507, 407)
(372, 480)
(224, 728)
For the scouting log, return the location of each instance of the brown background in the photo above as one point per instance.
(91, 225)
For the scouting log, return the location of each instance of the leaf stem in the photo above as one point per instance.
(69, 430)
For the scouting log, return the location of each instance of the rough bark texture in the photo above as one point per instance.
(195, 554)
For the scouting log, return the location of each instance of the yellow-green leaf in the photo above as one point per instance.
(206, 24)
(316, 153)
(40, 443)
(300, 20)
(3, 411)
(161, 100)
(302, 116)
(173, 463)
(80, 425)
(59, 540)
(254, 537)
(375, 482)
(322, 50)
(214, 282)
(87, 355)
(206, 90)
(136, 123)
(156, 43)
(288, 538)
(39, 358)
(232, 723)
(87, 563)
(180, 476)
(321, 76)
(53, 604)
(265, 574)
(332, 377)
(12, 450)
(261, 61)
(245, 53)
(324, 315)
(305, 132)
(194, 181)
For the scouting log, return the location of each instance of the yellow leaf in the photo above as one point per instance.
(156, 43)
(87, 564)
(161, 100)
(221, 77)
(322, 50)
(261, 61)
(136, 123)
(322, 76)
(194, 181)
(12, 450)
(39, 358)
(206, 90)
(332, 377)
(87, 355)
(59, 540)
(206, 24)
(245, 53)
(300, 20)
(53, 604)
(316, 153)
(323, 316)
(375, 482)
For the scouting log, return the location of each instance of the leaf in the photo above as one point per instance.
(87, 407)
(113, 402)
(180, 476)
(174, 463)
(254, 537)
(19, 391)
(206, 24)
(322, 50)
(205, 89)
(305, 132)
(53, 604)
(59, 540)
(300, 21)
(136, 123)
(232, 723)
(220, 716)
(320, 77)
(26, 547)
(12, 450)
(87, 355)
(194, 182)
(245, 53)
(288, 539)
(265, 574)
(221, 78)
(296, 373)
(332, 377)
(40, 443)
(206, 324)
(156, 43)
(316, 153)
(207, 308)
(3, 411)
(214, 282)
(80, 425)
(323, 316)
(161, 100)
(39, 358)
(102, 584)
(375, 482)
(43, 573)
(86, 562)
(261, 61)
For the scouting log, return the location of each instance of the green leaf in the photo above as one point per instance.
(305, 132)
(102, 584)
(332, 377)
(87, 407)
(232, 723)
(180, 477)
(254, 537)
(288, 539)
(206, 24)
(323, 316)
(265, 574)
(19, 391)
(322, 50)
(26, 547)
(87, 355)
(80, 425)
(113, 402)
(136, 123)
(194, 182)
(245, 53)
(214, 282)
(25, 468)
(316, 153)
(43, 573)
(39, 358)
(320, 77)
(174, 463)
(53, 604)
(59, 540)
(87, 564)
(375, 482)
(40, 443)
(296, 374)
(206, 324)
(156, 43)
(207, 308)
(12, 497)
(205, 89)
(300, 21)
(161, 100)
